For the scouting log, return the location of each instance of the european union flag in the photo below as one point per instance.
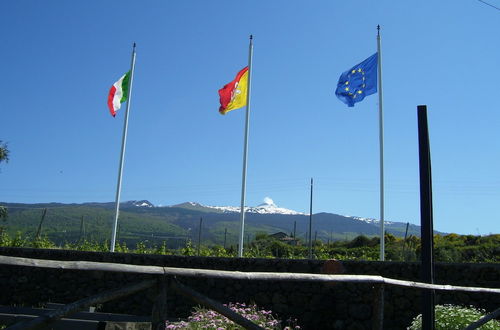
(358, 82)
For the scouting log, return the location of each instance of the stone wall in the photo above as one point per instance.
(316, 306)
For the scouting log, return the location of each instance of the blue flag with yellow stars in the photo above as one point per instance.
(358, 82)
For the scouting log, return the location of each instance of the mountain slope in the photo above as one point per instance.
(140, 220)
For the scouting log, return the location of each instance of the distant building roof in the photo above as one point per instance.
(285, 238)
(280, 235)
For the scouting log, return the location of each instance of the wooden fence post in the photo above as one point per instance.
(159, 312)
(43, 321)
(378, 307)
(214, 305)
(484, 320)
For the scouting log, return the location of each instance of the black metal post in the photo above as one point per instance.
(82, 231)
(225, 237)
(426, 221)
(199, 236)
(39, 230)
(404, 242)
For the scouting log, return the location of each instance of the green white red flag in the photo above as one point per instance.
(118, 93)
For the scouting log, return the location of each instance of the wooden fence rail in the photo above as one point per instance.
(235, 275)
(159, 315)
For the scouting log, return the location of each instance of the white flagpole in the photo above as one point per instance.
(381, 142)
(122, 155)
(310, 221)
(245, 150)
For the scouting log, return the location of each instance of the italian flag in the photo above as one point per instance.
(234, 94)
(118, 93)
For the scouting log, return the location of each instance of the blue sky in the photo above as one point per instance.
(59, 59)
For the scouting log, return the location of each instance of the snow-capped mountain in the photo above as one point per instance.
(368, 220)
(143, 218)
(268, 207)
(142, 203)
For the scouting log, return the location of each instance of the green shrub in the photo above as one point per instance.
(360, 241)
(140, 247)
(5, 240)
(449, 317)
(19, 240)
(188, 250)
(121, 247)
(449, 248)
(42, 242)
(160, 249)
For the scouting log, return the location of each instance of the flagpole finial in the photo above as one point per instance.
(378, 29)
(134, 45)
(251, 36)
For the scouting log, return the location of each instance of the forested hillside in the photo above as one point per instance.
(140, 221)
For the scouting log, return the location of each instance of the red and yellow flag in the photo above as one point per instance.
(234, 94)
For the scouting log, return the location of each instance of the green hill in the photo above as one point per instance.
(140, 221)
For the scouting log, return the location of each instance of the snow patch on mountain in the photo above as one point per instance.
(268, 207)
(142, 203)
(368, 220)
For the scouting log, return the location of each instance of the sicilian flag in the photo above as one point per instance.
(118, 93)
(234, 94)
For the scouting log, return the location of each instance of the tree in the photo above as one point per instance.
(4, 157)
(359, 241)
(3, 213)
(4, 152)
